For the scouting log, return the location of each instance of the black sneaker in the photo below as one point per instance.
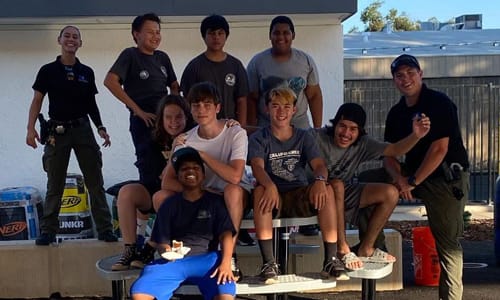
(45, 239)
(334, 268)
(238, 275)
(269, 273)
(129, 254)
(244, 238)
(309, 230)
(107, 236)
(145, 256)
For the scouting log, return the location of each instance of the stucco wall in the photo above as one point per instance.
(26, 47)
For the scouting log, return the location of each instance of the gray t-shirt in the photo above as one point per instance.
(342, 163)
(265, 73)
(284, 161)
(229, 76)
(145, 78)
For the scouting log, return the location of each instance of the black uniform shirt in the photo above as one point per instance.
(444, 123)
(71, 90)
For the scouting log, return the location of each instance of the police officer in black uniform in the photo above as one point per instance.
(71, 89)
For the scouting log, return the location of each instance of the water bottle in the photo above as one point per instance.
(497, 220)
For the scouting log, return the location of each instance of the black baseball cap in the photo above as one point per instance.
(404, 60)
(186, 154)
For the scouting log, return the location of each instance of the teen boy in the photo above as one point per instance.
(278, 155)
(200, 220)
(345, 145)
(225, 71)
(223, 149)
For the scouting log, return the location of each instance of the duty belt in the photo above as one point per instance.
(70, 123)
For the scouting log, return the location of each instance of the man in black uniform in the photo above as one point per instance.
(435, 169)
(71, 89)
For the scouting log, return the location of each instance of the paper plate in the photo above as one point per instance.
(175, 255)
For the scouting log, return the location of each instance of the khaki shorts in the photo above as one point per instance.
(295, 204)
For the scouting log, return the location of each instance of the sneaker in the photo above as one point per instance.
(129, 254)
(139, 241)
(45, 239)
(238, 275)
(309, 230)
(107, 236)
(244, 238)
(334, 268)
(145, 256)
(269, 273)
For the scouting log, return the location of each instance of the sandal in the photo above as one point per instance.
(352, 262)
(380, 256)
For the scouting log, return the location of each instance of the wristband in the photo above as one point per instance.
(412, 181)
(101, 128)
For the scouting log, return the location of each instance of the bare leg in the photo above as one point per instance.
(234, 197)
(263, 221)
(130, 198)
(327, 218)
(142, 297)
(160, 196)
(385, 197)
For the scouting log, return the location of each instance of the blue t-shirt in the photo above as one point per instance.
(284, 161)
(198, 224)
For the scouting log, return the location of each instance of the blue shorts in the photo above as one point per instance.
(162, 278)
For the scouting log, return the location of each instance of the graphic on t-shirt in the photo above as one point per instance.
(283, 163)
(230, 79)
(144, 74)
(297, 84)
(164, 71)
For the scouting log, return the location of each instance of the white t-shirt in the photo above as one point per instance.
(230, 144)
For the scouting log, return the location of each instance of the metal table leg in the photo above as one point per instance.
(118, 290)
(368, 289)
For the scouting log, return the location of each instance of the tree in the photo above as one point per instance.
(372, 17)
(374, 21)
(401, 22)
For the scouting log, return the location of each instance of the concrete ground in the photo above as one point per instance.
(481, 277)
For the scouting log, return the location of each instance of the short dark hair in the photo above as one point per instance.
(214, 22)
(202, 91)
(139, 21)
(281, 20)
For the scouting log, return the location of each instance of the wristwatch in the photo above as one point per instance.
(320, 178)
(412, 181)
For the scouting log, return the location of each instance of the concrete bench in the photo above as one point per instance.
(250, 285)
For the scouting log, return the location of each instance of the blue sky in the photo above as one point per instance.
(423, 10)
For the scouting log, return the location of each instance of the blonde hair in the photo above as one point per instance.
(283, 94)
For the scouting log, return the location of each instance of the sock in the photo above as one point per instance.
(266, 250)
(330, 251)
(141, 226)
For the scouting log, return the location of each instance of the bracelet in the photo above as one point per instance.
(101, 128)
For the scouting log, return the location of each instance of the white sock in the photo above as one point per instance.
(141, 226)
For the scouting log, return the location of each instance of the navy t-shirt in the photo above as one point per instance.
(198, 224)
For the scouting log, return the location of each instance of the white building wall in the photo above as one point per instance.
(25, 48)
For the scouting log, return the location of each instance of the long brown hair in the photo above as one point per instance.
(160, 135)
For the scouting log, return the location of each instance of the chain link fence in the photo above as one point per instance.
(478, 106)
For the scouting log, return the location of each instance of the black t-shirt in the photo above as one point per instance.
(444, 123)
(145, 78)
(198, 224)
(71, 90)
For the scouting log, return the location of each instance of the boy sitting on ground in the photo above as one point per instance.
(278, 154)
(201, 221)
